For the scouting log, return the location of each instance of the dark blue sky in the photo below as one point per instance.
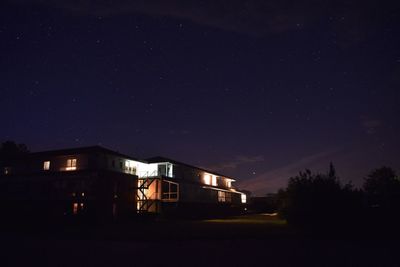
(258, 90)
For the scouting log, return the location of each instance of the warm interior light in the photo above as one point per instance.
(207, 179)
(71, 165)
(75, 208)
(213, 180)
(46, 165)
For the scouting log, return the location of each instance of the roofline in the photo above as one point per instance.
(164, 159)
(82, 150)
(85, 149)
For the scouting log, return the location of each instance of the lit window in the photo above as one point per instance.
(170, 172)
(71, 165)
(75, 208)
(228, 183)
(213, 180)
(130, 167)
(207, 179)
(244, 198)
(46, 165)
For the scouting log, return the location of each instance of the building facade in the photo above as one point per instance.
(98, 182)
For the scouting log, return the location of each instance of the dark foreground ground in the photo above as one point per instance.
(251, 240)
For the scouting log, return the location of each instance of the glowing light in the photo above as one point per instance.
(71, 165)
(244, 198)
(46, 165)
(7, 170)
(213, 180)
(75, 208)
(207, 179)
(141, 169)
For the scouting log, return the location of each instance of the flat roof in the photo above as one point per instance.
(82, 150)
(164, 159)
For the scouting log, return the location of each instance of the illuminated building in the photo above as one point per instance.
(98, 182)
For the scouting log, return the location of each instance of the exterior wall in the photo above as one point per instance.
(196, 193)
(96, 194)
(194, 175)
(34, 164)
(84, 161)
(90, 188)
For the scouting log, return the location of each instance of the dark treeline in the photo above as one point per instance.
(322, 203)
(10, 149)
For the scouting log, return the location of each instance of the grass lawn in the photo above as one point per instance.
(232, 228)
(251, 240)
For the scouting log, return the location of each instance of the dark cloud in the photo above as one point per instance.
(353, 20)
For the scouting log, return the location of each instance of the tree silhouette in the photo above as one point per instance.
(9, 149)
(382, 188)
(317, 200)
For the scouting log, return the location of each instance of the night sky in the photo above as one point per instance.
(258, 90)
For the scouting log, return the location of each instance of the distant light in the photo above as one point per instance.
(244, 198)
(75, 208)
